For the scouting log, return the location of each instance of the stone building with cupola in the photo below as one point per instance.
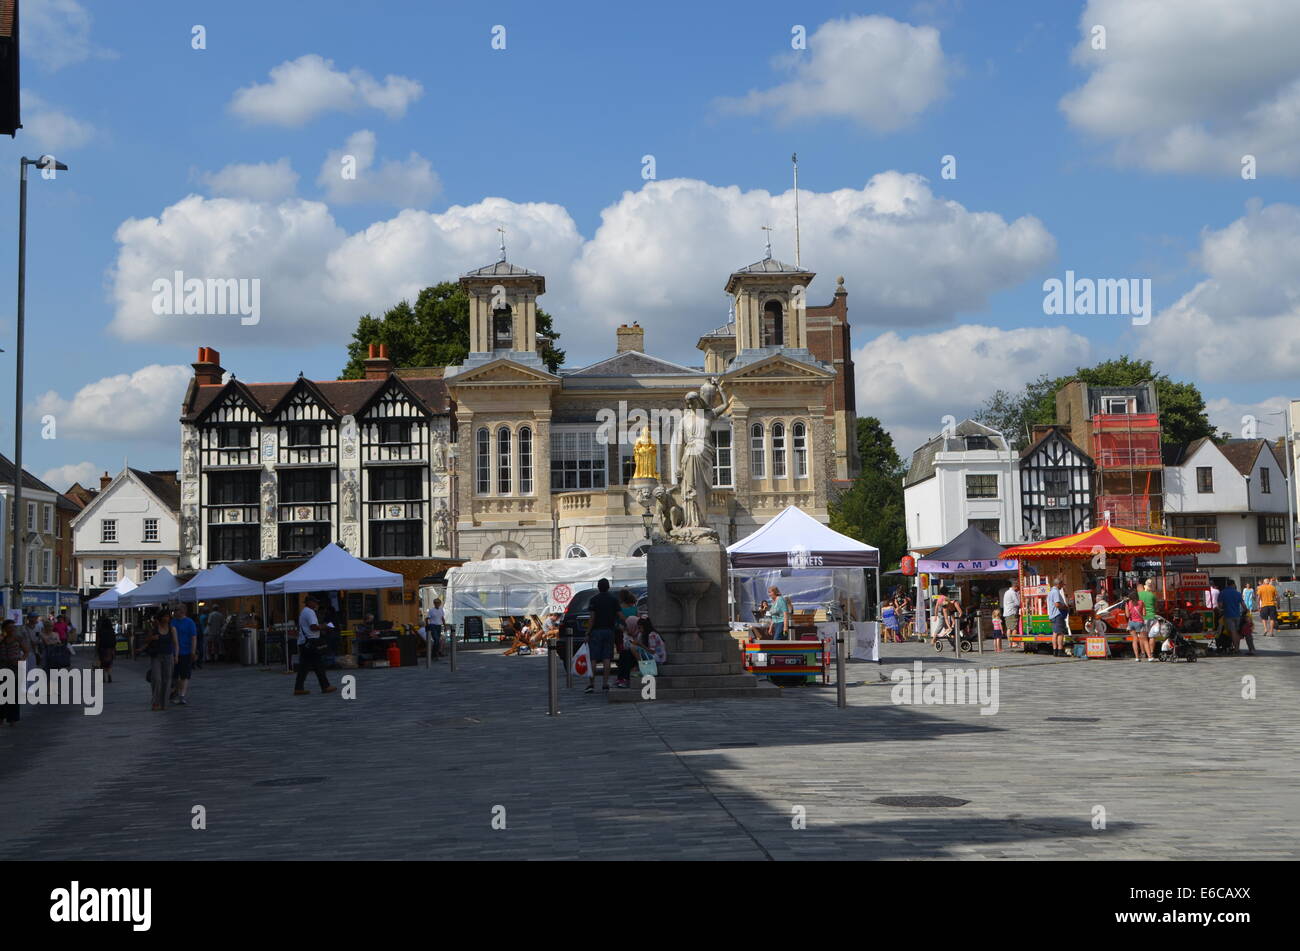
(543, 458)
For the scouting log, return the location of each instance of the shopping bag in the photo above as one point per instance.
(646, 663)
(936, 625)
(581, 662)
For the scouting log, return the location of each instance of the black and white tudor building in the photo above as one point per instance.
(273, 470)
(1056, 487)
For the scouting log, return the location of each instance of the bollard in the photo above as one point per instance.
(841, 688)
(568, 660)
(553, 683)
(451, 656)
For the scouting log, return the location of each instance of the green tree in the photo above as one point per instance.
(1182, 407)
(872, 510)
(433, 333)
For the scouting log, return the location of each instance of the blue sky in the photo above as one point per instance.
(1115, 163)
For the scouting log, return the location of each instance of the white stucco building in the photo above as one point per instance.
(130, 529)
(967, 476)
(1234, 493)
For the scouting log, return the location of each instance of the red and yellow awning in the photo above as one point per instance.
(1120, 541)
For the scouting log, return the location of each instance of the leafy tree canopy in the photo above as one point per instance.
(433, 333)
(872, 511)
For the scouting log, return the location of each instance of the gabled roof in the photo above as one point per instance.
(343, 397)
(633, 363)
(166, 490)
(302, 384)
(1053, 434)
(922, 464)
(29, 481)
(1242, 453)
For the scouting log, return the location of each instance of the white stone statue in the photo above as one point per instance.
(694, 473)
(442, 528)
(439, 453)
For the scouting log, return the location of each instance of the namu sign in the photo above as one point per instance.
(974, 565)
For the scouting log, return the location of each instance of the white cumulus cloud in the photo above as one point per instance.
(142, 405)
(871, 69)
(912, 383)
(309, 86)
(52, 129)
(1242, 323)
(1192, 85)
(662, 254)
(61, 478)
(408, 184)
(56, 33)
(259, 181)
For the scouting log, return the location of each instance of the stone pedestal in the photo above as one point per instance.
(688, 605)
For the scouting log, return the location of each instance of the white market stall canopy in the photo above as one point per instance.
(794, 539)
(510, 586)
(220, 581)
(333, 569)
(159, 589)
(109, 599)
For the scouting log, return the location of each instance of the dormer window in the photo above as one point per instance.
(773, 324)
(978, 442)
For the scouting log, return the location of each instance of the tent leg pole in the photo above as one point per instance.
(265, 618)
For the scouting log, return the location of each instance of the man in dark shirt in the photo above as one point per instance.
(605, 614)
(187, 636)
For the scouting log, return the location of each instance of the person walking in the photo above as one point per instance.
(13, 650)
(1135, 612)
(310, 650)
(1248, 596)
(434, 622)
(1011, 610)
(105, 646)
(187, 636)
(213, 626)
(781, 613)
(30, 635)
(160, 644)
(1267, 594)
(1058, 614)
(604, 618)
(1234, 606)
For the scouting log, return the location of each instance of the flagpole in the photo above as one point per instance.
(794, 159)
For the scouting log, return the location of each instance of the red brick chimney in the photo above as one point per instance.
(377, 365)
(104, 481)
(207, 369)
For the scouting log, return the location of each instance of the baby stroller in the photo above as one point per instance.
(961, 634)
(1175, 646)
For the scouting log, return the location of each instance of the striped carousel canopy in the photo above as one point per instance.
(1111, 539)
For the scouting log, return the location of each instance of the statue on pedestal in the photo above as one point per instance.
(695, 457)
(646, 457)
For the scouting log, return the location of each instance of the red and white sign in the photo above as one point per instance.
(562, 594)
(1194, 579)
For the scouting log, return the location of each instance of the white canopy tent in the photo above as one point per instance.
(333, 569)
(108, 600)
(159, 589)
(795, 551)
(220, 581)
(510, 586)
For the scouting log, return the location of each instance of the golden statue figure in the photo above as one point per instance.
(646, 457)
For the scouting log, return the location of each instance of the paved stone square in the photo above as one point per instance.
(414, 767)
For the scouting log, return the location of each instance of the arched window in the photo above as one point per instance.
(778, 450)
(575, 551)
(525, 461)
(503, 461)
(799, 436)
(640, 550)
(773, 324)
(757, 458)
(484, 467)
(503, 329)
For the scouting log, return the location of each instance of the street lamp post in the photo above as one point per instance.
(44, 162)
(1290, 489)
